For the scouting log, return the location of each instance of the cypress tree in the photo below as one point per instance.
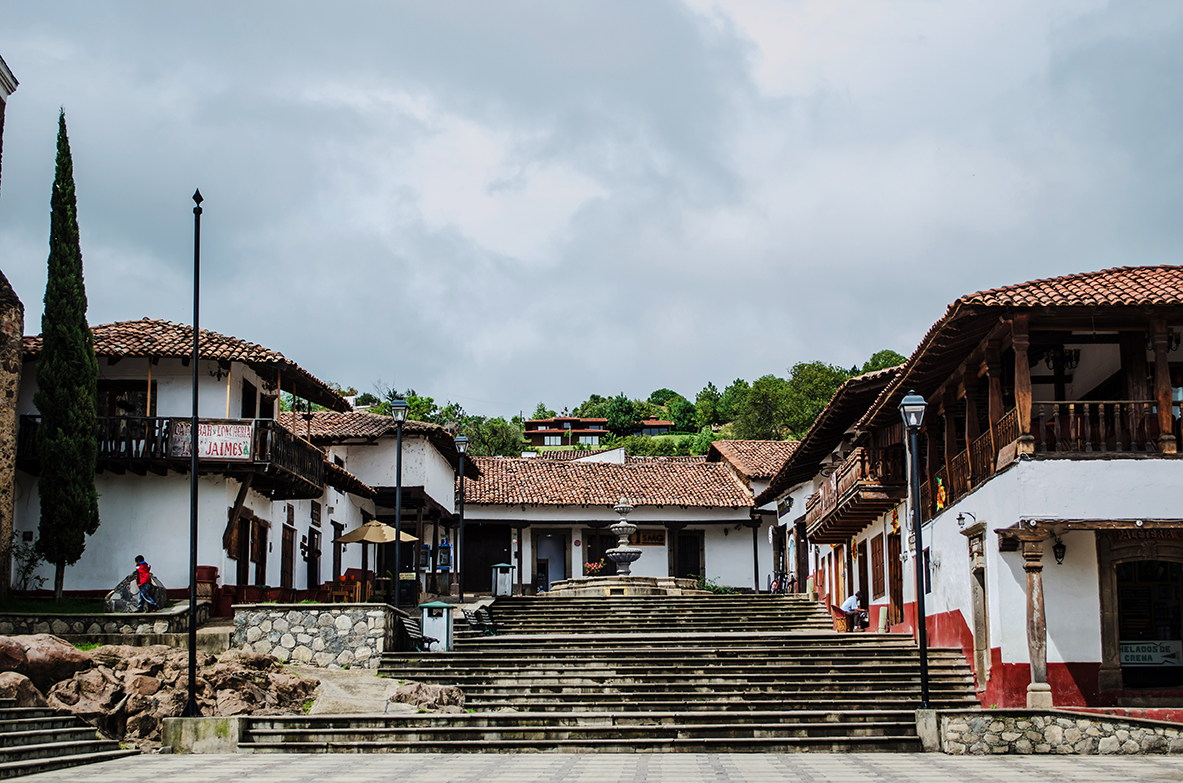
(67, 371)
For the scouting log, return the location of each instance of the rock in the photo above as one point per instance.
(1054, 735)
(43, 658)
(429, 696)
(126, 595)
(1108, 745)
(19, 687)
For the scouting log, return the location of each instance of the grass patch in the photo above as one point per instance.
(306, 707)
(26, 605)
(87, 646)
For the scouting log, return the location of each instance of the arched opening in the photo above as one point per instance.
(1150, 636)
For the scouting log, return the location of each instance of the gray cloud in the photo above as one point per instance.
(500, 203)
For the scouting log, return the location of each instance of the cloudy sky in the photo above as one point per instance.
(501, 202)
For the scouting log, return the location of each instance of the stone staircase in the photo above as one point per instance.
(717, 674)
(38, 739)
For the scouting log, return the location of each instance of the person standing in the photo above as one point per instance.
(144, 581)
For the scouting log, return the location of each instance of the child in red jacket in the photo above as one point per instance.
(144, 579)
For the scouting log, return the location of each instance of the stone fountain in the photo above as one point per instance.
(623, 555)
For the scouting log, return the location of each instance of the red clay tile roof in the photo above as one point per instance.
(655, 423)
(331, 427)
(565, 418)
(341, 479)
(944, 346)
(566, 454)
(511, 481)
(149, 337)
(759, 459)
(641, 458)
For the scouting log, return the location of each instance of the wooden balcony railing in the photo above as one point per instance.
(864, 467)
(142, 443)
(1094, 426)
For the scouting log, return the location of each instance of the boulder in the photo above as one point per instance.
(21, 689)
(431, 697)
(126, 595)
(43, 658)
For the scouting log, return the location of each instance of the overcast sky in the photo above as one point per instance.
(504, 202)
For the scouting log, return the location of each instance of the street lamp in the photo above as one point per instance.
(912, 410)
(191, 709)
(398, 409)
(457, 563)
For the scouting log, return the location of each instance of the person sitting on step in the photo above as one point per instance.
(855, 616)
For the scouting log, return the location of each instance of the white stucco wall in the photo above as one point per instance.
(423, 466)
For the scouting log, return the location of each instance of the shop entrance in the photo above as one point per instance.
(1150, 636)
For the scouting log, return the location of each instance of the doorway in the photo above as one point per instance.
(861, 553)
(597, 544)
(895, 581)
(688, 554)
(550, 555)
(484, 547)
(1149, 633)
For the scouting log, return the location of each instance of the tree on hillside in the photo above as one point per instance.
(594, 407)
(682, 413)
(881, 360)
(67, 373)
(492, 437)
(732, 400)
(763, 412)
(542, 412)
(622, 415)
(706, 406)
(809, 389)
(662, 397)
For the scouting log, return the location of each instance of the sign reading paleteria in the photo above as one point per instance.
(216, 440)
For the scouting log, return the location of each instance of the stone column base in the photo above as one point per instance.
(1039, 696)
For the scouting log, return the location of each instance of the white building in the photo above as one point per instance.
(1052, 540)
(550, 517)
(268, 500)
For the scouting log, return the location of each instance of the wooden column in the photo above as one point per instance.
(994, 374)
(949, 405)
(1038, 692)
(521, 565)
(755, 525)
(1162, 389)
(971, 413)
(1021, 341)
(420, 581)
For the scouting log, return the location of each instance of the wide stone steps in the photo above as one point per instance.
(36, 739)
(781, 732)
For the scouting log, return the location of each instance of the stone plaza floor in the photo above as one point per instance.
(622, 768)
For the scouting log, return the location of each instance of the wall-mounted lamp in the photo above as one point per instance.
(1138, 522)
(961, 519)
(935, 561)
(1059, 550)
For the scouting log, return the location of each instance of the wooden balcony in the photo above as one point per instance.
(282, 466)
(866, 484)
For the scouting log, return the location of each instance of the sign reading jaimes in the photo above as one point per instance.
(1151, 653)
(216, 440)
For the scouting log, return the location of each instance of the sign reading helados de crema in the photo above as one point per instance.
(1152, 653)
(216, 440)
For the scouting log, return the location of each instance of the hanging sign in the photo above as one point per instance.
(228, 441)
(783, 506)
(646, 538)
(1152, 653)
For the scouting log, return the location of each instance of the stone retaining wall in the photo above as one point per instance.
(331, 636)
(988, 732)
(172, 620)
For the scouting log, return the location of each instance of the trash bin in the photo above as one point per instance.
(502, 579)
(436, 623)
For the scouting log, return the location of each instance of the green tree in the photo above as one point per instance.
(662, 397)
(810, 387)
(706, 406)
(594, 407)
(682, 412)
(365, 398)
(67, 372)
(763, 412)
(542, 412)
(493, 437)
(621, 415)
(732, 400)
(881, 360)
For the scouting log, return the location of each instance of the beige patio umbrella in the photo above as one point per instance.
(371, 532)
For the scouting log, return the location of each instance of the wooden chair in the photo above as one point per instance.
(418, 642)
(485, 616)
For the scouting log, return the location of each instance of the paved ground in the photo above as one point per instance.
(623, 768)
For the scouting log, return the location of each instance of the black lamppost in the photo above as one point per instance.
(912, 410)
(191, 709)
(398, 409)
(462, 447)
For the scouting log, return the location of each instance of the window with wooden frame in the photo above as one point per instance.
(878, 583)
(316, 513)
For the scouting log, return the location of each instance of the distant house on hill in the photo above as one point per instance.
(565, 431)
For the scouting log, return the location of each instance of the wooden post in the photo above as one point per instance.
(1162, 389)
(1038, 692)
(420, 582)
(1021, 341)
(971, 414)
(949, 405)
(755, 524)
(994, 374)
(521, 565)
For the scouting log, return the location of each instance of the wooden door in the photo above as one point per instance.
(689, 554)
(287, 562)
(861, 550)
(313, 558)
(895, 581)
